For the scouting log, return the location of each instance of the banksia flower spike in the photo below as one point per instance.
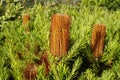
(59, 34)
(25, 22)
(98, 40)
(30, 72)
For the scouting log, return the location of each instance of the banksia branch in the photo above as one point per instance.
(98, 40)
(45, 61)
(59, 34)
(25, 22)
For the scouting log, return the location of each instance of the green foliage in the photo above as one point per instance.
(3, 70)
(87, 75)
(108, 75)
(79, 64)
(110, 4)
(11, 11)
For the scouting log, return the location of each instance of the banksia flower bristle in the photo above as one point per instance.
(59, 34)
(30, 72)
(25, 22)
(98, 40)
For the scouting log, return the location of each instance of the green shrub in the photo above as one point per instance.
(79, 63)
(110, 4)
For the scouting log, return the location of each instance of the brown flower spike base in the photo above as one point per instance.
(30, 72)
(26, 19)
(59, 34)
(98, 39)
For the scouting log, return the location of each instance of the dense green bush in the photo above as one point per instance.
(110, 4)
(79, 64)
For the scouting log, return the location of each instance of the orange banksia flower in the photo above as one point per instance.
(98, 40)
(25, 22)
(59, 34)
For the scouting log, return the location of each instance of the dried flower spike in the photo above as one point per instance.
(26, 19)
(98, 40)
(30, 72)
(59, 34)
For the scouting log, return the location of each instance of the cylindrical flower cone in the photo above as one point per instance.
(98, 40)
(59, 34)
(25, 22)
